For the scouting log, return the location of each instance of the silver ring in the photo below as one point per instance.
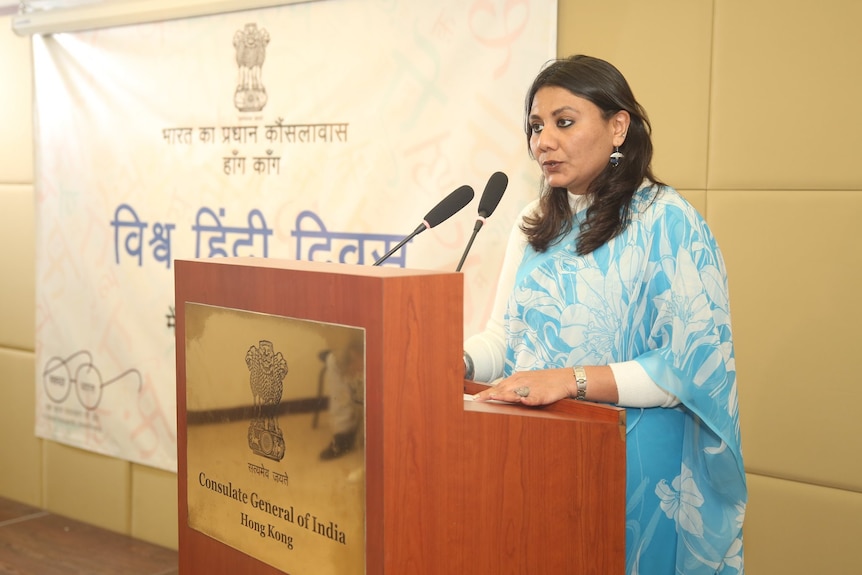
(523, 391)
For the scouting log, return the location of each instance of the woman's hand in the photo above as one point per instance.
(540, 387)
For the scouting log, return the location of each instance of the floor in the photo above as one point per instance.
(35, 542)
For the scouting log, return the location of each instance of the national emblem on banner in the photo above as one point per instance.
(250, 44)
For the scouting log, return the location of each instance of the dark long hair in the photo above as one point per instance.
(611, 192)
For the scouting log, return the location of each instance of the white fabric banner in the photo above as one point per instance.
(313, 131)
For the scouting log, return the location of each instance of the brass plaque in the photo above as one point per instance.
(275, 425)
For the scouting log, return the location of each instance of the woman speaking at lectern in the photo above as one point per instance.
(613, 289)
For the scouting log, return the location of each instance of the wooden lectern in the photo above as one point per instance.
(452, 486)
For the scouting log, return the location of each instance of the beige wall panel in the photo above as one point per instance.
(154, 506)
(16, 106)
(20, 450)
(87, 486)
(785, 95)
(17, 266)
(799, 529)
(663, 49)
(795, 265)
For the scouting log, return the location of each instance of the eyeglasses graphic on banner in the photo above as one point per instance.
(58, 381)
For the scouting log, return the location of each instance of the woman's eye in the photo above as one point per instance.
(536, 128)
(564, 123)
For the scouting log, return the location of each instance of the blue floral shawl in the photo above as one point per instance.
(656, 294)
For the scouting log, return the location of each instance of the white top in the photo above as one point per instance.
(487, 349)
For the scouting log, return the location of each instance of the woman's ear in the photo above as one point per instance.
(620, 126)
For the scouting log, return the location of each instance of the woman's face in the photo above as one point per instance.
(570, 139)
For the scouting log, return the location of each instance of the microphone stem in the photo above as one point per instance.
(467, 249)
(421, 228)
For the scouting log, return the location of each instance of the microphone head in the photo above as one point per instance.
(493, 193)
(449, 206)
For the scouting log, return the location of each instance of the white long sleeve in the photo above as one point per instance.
(487, 349)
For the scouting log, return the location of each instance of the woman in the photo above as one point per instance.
(614, 290)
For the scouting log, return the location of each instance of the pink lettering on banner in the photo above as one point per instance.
(412, 73)
(153, 423)
(45, 322)
(485, 147)
(58, 263)
(431, 167)
(107, 283)
(115, 337)
(499, 29)
(93, 434)
(93, 236)
(178, 204)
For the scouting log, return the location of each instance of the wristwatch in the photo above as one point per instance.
(581, 380)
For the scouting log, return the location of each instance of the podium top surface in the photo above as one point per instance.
(324, 267)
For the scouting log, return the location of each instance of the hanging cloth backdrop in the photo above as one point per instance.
(321, 131)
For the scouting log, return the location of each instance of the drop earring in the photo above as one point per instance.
(615, 157)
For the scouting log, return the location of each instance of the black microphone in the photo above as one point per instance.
(448, 207)
(487, 204)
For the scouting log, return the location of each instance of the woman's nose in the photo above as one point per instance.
(545, 140)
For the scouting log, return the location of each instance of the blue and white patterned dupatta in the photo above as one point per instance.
(656, 294)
